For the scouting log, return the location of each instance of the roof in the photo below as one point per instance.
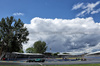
(93, 53)
(63, 54)
(27, 53)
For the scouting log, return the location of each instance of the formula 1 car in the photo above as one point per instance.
(36, 60)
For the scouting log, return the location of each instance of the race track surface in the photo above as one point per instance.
(46, 63)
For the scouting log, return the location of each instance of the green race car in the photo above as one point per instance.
(36, 60)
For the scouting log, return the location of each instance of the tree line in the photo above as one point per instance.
(38, 47)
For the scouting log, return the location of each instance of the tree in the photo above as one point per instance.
(55, 54)
(65, 53)
(30, 50)
(12, 34)
(40, 47)
(21, 51)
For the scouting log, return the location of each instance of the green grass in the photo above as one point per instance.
(57, 65)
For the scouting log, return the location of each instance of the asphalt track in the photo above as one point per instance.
(47, 63)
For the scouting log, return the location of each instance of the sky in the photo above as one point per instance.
(65, 25)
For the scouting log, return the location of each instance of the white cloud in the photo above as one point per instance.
(64, 35)
(18, 14)
(87, 8)
(82, 13)
(96, 11)
(77, 6)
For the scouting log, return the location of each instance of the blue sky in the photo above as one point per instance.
(65, 25)
(43, 9)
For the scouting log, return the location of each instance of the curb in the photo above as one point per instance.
(15, 61)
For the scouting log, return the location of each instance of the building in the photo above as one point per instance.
(93, 56)
(22, 56)
(69, 56)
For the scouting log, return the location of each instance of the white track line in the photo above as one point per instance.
(40, 64)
